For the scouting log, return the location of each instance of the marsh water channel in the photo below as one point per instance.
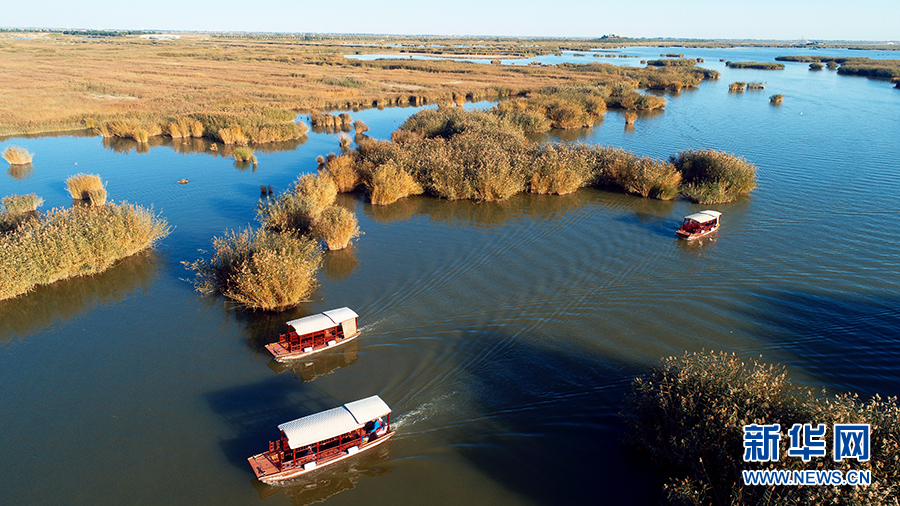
(503, 335)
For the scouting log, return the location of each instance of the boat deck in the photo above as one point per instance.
(263, 465)
(266, 469)
(280, 352)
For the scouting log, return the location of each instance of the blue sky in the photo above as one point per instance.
(758, 19)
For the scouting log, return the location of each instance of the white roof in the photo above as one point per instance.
(333, 422)
(322, 321)
(704, 216)
(367, 409)
(340, 314)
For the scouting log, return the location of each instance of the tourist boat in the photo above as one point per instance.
(315, 333)
(323, 438)
(699, 224)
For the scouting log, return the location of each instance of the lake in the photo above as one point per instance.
(504, 336)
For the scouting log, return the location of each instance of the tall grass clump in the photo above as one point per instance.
(737, 87)
(79, 241)
(687, 414)
(17, 155)
(777, 99)
(560, 169)
(756, 85)
(816, 66)
(345, 141)
(16, 209)
(388, 183)
(360, 126)
(337, 226)
(184, 127)
(714, 176)
(754, 65)
(243, 154)
(21, 204)
(87, 187)
(260, 270)
(139, 130)
(298, 208)
(343, 173)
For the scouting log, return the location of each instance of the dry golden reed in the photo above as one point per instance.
(86, 187)
(686, 415)
(17, 155)
(343, 173)
(20, 204)
(337, 226)
(262, 270)
(79, 241)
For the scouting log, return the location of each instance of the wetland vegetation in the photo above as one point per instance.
(688, 412)
(197, 93)
(484, 156)
(46, 247)
(16, 155)
(754, 65)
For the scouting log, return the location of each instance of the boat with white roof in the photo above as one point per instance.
(699, 224)
(315, 333)
(323, 438)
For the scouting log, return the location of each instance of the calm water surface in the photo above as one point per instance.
(503, 335)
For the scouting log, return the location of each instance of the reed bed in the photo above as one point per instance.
(262, 270)
(87, 187)
(21, 204)
(816, 66)
(754, 65)
(17, 155)
(343, 173)
(756, 85)
(336, 226)
(737, 87)
(777, 99)
(687, 414)
(481, 156)
(714, 176)
(17, 209)
(243, 154)
(65, 243)
(360, 126)
(388, 183)
(296, 210)
(111, 78)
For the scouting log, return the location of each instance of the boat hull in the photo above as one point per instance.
(276, 350)
(261, 461)
(682, 234)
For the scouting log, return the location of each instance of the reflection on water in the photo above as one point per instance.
(332, 129)
(20, 172)
(319, 485)
(64, 300)
(190, 145)
(481, 214)
(340, 263)
(324, 362)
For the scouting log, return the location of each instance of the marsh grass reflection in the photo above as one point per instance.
(480, 214)
(49, 305)
(20, 172)
(339, 264)
(191, 145)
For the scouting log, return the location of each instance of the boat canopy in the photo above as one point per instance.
(333, 422)
(703, 216)
(322, 321)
